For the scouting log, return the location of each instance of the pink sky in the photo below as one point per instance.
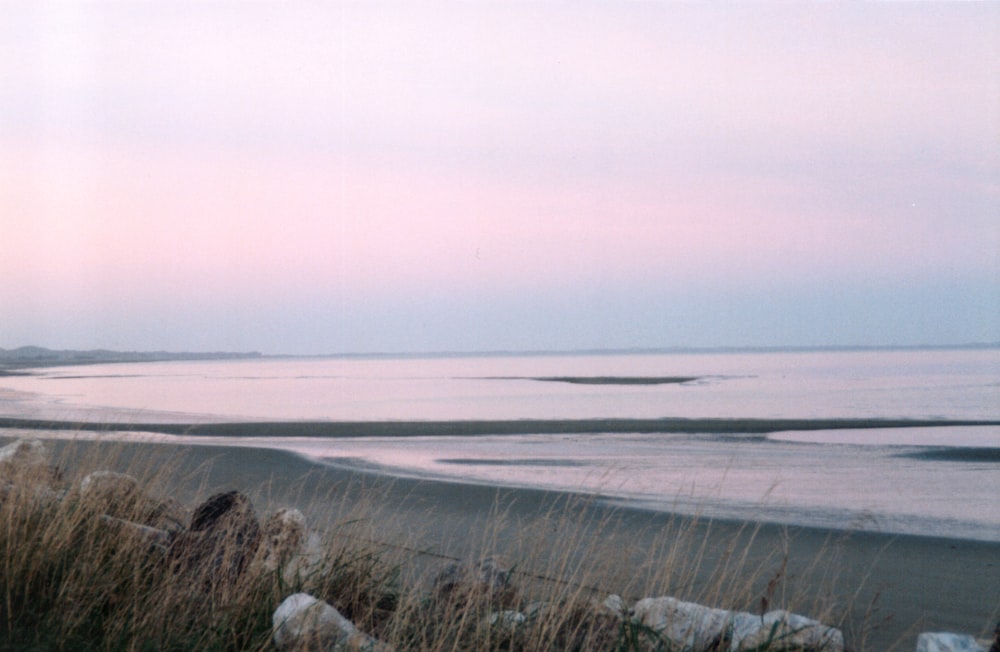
(320, 178)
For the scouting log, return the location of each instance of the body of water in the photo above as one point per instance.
(940, 479)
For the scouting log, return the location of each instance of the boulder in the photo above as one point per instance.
(946, 642)
(691, 626)
(222, 539)
(613, 605)
(507, 621)
(287, 546)
(302, 621)
(283, 536)
(231, 512)
(111, 492)
(486, 578)
(23, 453)
(685, 625)
(109, 484)
(155, 538)
(743, 629)
(780, 630)
(121, 496)
(27, 462)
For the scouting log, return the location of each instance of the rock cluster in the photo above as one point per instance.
(690, 626)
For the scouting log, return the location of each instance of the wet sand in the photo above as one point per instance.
(884, 589)
(470, 428)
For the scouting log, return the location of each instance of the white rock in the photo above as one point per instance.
(945, 642)
(26, 463)
(741, 627)
(156, 537)
(782, 629)
(289, 522)
(25, 452)
(108, 485)
(685, 625)
(507, 620)
(287, 545)
(303, 621)
(614, 605)
(283, 538)
(308, 560)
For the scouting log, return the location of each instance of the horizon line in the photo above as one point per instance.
(637, 350)
(791, 348)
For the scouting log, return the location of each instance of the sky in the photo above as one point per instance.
(297, 177)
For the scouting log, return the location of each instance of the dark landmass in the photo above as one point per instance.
(543, 461)
(334, 429)
(662, 350)
(603, 380)
(965, 454)
(27, 357)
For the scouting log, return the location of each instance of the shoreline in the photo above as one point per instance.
(343, 445)
(731, 508)
(470, 427)
(905, 584)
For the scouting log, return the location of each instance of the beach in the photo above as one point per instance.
(882, 589)
(857, 488)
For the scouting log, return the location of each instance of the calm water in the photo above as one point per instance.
(906, 480)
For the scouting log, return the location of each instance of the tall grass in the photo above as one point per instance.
(71, 578)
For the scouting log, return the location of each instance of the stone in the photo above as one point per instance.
(222, 539)
(613, 605)
(284, 536)
(108, 483)
(685, 625)
(947, 642)
(508, 620)
(303, 621)
(485, 578)
(114, 493)
(27, 462)
(231, 511)
(154, 537)
(783, 630)
(23, 452)
(690, 626)
(743, 626)
(120, 495)
(287, 546)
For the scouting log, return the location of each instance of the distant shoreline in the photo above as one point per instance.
(467, 428)
(33, 357)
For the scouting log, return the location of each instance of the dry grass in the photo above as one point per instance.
(75, 580)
